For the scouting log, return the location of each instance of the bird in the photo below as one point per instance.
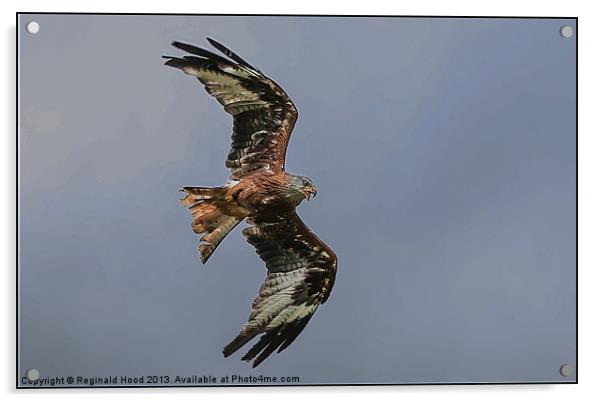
(301, 268)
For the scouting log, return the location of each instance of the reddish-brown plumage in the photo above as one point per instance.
(263, 194)
(301, 267)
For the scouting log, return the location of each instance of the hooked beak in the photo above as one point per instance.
(311, 192)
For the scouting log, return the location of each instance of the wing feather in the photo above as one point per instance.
(264, 115)
(301, 273)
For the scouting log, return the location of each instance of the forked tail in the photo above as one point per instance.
(208, 219)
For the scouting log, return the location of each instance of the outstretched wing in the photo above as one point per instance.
(264, 116)
(301, 273)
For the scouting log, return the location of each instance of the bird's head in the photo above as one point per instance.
(303, 187)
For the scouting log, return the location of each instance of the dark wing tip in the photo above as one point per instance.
(203, 53)
(185, 47)
(232, 347)
(180, 45)
(175, 62)
(266, 345)
(232, 55)
(237, 343)
(172, 61)
(215, 43)
(271, 340)
(277, 339)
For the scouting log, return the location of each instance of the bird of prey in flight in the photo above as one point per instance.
(301, 267)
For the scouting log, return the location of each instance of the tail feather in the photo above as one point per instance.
(213, 239)
(208, 219)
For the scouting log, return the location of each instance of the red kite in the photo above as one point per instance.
(301, 267)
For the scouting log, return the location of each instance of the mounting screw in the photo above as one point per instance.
(566, 31)
(566, 370)
(32, 374)
(32, 27)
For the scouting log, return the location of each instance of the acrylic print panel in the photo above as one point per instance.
(444, 152)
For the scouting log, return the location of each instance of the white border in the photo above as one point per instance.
(590, 200)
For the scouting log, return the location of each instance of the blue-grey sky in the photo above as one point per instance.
(443, 151)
